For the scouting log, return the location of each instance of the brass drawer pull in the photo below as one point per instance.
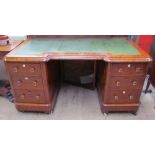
(15, 69)
(120, 70)
(131, 97)
(134, 83)
(22, 96)
(32, 69)
(34, 83)
(116, 97)
(19, 83)
(117, 83)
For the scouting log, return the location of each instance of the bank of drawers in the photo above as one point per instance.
(125, 82)
(27, 82)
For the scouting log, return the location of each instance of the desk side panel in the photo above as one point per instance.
(51, 80)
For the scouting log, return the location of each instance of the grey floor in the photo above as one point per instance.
(78, 104)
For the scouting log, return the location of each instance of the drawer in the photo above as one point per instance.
(130, 69)
(27, 69)
(123, 96)
(127, 82)
(27, 82)
(28, 96)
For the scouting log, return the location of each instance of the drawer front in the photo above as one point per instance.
(26, 69)
(126, 82)
(123, 96)
(121, 69)
(27, 82)
(29, 96)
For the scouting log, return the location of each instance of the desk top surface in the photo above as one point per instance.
(92, 48)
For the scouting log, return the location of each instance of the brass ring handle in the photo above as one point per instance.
(120, 70)
(34, 83)
(19, 82)
(117, 83)
(131, 97)
(116, 97)
(22, 96)
(134, 83)
(15, 69)
(32, 69)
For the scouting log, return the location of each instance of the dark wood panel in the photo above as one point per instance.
(51, 79)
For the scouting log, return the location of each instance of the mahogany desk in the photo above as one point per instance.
(34, 71)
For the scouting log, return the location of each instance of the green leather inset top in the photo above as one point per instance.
(115, 46)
